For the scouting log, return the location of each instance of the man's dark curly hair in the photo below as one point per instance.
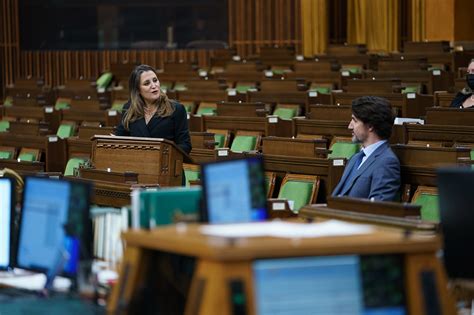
(376, 112)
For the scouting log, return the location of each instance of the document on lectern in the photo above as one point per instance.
(286, 229)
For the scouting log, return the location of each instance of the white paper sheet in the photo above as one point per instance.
(286, 229)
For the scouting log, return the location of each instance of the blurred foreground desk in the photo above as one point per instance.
(382, 272)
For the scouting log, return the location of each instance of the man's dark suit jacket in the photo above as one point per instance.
(378, 177)
(174, 127)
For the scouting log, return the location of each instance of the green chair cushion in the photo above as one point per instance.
(297, 191)
(220, 140)
(104, 80)
(30, 157)
(321, 89)
(344, 150)
(180, 87)
(8, 101)
(410, 89)
(243, 88)
(429, 206)
(353, 70)
(206, 111)
(472, 154)
(62, 105)
(191, 175)
(243, 143)
(65, 131)
(118, 106)
(72, 164)
(6, 155)
(285, 113)
(4, 125)
(188, 107)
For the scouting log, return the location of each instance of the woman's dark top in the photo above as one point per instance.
(459, 99)
(174, 127)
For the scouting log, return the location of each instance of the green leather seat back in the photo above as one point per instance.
(321, 89)
(220, 140)
(4, 125)
(410, 89)
(206, 111)
(180, 86)
(118, 106)
(243, 143)
(285, 113)
(188, 107)
(72, 164)
(191, 175)
(297, 191)
(429, 206)
(29, 157)
(344, 150)
(8, 101)
(243, 88)
(62, 105)
(65, 131)
(104, 80)
(6, 155)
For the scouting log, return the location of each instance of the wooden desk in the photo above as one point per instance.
(221, 261)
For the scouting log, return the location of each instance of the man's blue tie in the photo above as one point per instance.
(357, 160)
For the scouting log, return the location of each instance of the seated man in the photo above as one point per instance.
(374, 172)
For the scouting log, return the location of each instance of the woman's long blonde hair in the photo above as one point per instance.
(137, 103)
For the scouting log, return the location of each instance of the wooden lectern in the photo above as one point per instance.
(224, 281)
(117, 163)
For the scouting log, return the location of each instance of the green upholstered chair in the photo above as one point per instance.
(427, 198)
(343, 150)
(29, 157)
(4, 125)
(118, 105)
(8, 101)
(243, 88)
(221, 137)
(320, 89)
(285, 113)
(300, 189)
(104, 80)
(7, 153)
(65, 131)
(220, 140)
(62, 103)
(189, 106)
(180, 86)
(411, 89)
(72, 164)
(243, 143)
(192, 173)
(354, 69)
(206, 109)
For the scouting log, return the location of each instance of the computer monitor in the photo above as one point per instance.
(456, 204)
(330, 285)
(55, 230)
(7, 215)
(234, 191)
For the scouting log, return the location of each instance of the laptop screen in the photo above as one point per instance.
(55, 227)
(330, 285)
(234, 191)
(7, 207)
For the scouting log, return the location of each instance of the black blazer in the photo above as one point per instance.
(459, 99)
(174, 127)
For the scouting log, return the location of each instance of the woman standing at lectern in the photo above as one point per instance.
(149, 112)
